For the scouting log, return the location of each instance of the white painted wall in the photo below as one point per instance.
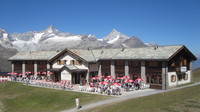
(171, 84)
(65, 75)
(93, 67)
(177, 82)
(67, 56)
(185, 81)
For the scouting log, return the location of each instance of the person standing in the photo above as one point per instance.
(77, 100)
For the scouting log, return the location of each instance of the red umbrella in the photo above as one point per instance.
(15, 73)
(107, 79)
(127, 77)
(109, 76)
(28, 72)
(94, 78)
(120, 78)
(129, 81)
(116, 83)
(50, 73)
(9, 73)
(103, 82)
(44, 73)
(139, 79)
(111, 79)
(100, 76)
(37, 73)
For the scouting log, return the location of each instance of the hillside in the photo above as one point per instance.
(5, 65)
(196, 75)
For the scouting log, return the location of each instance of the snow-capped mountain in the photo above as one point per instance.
(116, 40)
(52, 39)
(5, 39)
(114, 36)
(152, 44)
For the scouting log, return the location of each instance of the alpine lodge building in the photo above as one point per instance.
(162, 67)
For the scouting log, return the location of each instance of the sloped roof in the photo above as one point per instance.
(34, 55)
(144, 53)
(85, 54)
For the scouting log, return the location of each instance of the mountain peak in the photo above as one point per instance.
(114, 30)
(114, 36)
(2, 30)
(50, 29)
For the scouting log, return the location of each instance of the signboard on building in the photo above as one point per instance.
(93, 67)
(183, 69)
(66, 76)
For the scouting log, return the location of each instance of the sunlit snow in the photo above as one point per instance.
(114, 40)
(70, 38)
(37, 37)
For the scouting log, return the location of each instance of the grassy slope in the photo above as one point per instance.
(20, 98)
(196, 75)
(174, 101)
(184, 100)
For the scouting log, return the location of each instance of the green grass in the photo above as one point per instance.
(185, 100)
(196, 75)
(16, 97)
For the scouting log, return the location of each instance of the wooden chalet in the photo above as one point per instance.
(162, 67)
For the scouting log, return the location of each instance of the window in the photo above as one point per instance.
(58, 62)
(172, 64)
(119, 63)
(134, 63)
(182, 76)
(173, 78)
(41, 63)
(153, 64)
(62, 62)
(185, 62)
(105, 63)
(73, 62)
(185, 76)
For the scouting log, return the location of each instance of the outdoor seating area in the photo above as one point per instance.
(40, 80)
(109, 86)
(99, 85)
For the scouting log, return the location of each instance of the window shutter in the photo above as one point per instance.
(75, 62)
(185, 62)
(71, 62)
(62, 62)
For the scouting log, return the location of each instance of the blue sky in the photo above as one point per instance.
(166, 22)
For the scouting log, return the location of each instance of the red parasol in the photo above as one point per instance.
(100, 76)
(116, 83)
(129, 81)
(127, 77)
(44, 72)
(109, 76)
(50, 73)
(94, 78)
(9, 73)
(139, 79)
(108, 79)
(103, 82)
(120, 78)
(28, 72)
